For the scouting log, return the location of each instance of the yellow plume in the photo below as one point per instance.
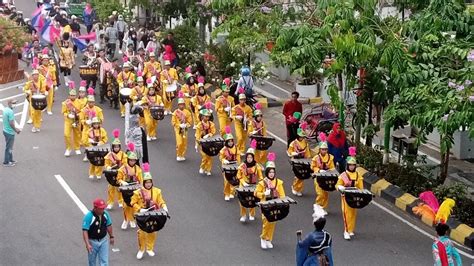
(445, 210)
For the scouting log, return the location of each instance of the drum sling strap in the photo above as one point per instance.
(146, 199)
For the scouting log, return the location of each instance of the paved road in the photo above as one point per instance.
(41, 224)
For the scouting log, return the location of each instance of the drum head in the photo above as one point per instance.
(172, 87)
(38, 96)
(125, 92)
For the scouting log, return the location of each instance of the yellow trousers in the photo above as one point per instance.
(223, 122)
(322, 196)
(95, 170)
(267, 229)
(35, 116)
(297, 185)
(76, 134)
(128, 213)
(112, 194)
(206, 162)
(243, 211)
(349, 216)
(261, 157)
(241, 136)
(167, 104)
(50, 100)
(85, 136)
(181, 143)
(228, 188)
(122, 109)
(150, 124)
(146, 240)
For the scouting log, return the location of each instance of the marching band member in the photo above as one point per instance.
(104, 66)
(141, 59)
(241, 114)
(130, 54)
(71, 109)
(151, 99)
(90, 56)
(82, 94)
(48, 71)
(129, 173)
(189, 89)
(224, 105)
(205, 129)
(147, 198)
(85, 118)
(228, 155)
(137, 93)
(299, 149)
(66, 58)
(169, 76)
(152, 67)
(349, 178)
(198, 102)
(114, 160)
(320, 163)
(269, 188)
(258, 127)
(249, 173)
(36, 85)
(97, 136)
(125, 79)
(181, 121)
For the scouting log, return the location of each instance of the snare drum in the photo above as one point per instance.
(125, 95)
(38, 102)
(357, 198)
(111, 176)
(212, 146)
(127, 192)
(230, 173)
(88, 72)
(301, 168)
(246, 196)
(327, 180)
(151, 221)
(157, 112)
(172, 87)
(263, 142)
(276, 209)
(96, 155)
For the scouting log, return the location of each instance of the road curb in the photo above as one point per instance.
(276, 101)
(460, 232)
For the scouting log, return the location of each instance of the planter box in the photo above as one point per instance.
(9, 68)
(307, 91)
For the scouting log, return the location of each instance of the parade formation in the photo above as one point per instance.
(144, 85)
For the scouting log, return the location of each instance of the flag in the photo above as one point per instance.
(50, 33)
(37, 20)
(91, 36)
(80, 43)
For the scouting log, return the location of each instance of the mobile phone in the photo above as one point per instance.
(299, 233)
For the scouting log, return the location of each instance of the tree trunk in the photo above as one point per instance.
(209, 27)
(386, 143)
(444, 167)
(341, 96)
(368, 140)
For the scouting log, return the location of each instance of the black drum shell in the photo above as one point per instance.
(151, 221)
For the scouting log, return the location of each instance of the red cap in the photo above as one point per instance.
(99, 203)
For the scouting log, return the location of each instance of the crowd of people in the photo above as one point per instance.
(145, 85)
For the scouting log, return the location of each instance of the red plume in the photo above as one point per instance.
(201, 79)
(258, 106)
(72, 84)
(241, 90)
(150, 50)
(208, 105)
(180, 94)
(168, 49)
(45, 50)
(35, 60)
(166, 57)
(188, 69)
(139, 73)
(352, 151)
(131, 146)
(90, 91)
(149, 81)
(253, 144)
(34, 66)
(83, 83)
(227, 81)
(146, 167)
(125, 58)
(304, 125)
(116, 133)
(271, 156)
(322, 137)
(227, 129)
(92, 113)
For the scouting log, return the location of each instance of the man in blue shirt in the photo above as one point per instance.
(9, 131)
(95, 226)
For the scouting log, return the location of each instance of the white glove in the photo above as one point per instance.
(46, 93)
(55, 88)
(267, 192)
(225, 161)
(165, 208)
(294, 154)
(123, 183)
(227, 109)
(322, 171)
(206, 136)
(253, 132)
(161, 104)
(143, 210)
(239, 117)
(108, 168)
(186, 94)
(245, 184)
(70, 116)
(88, 122)
(341, 188)
(28, 92)
(182, 126)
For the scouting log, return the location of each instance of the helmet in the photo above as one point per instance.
(245, 71)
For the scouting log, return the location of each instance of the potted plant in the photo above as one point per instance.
(12, 40)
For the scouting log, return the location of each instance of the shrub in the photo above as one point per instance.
(464, 208)
(189, 45)
(13, 37)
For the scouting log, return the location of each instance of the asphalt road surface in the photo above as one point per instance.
(41, 224)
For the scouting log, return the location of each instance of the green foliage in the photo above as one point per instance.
(104, 9)
(224, 62)
(12, 37)
(368, 157)
(189, 46)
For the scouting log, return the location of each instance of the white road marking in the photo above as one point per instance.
(24, 114)
(71, 194)
(394, 214)
(12, 87)
(278, 87)
(12, 97)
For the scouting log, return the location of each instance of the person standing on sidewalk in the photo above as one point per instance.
(89, 17)
(9, 131)
(444, 252)
(95, 226)
(289, 108)
(112, 34)
(122, 28)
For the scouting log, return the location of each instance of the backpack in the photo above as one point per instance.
(247, 88)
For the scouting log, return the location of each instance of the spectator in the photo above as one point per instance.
(89, 16)
(246, 82)
(9, 130)
(122, 27)
(289, 108)
(169, 41)
(112, 33)
(95, 226)
(444, 252)
(338, 146)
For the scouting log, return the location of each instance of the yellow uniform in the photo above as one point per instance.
(276, 191)
(189, 93)
(152, 69)
(150, 123)
(204, 129)
(32, 88)
(137, 93)
(167, 77)
(144, 199)
(241, 115)
(49, 72)
(198, 102)
(85, 119)
(129, 174)
(224, 117)
(325, 163)
(125, 80)
(114, 161)
(349, 215)
(259, 129)
(98, 136)
(71, 111)
(249, 176)
(231, 155)
(302, 150)
(181, 117)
